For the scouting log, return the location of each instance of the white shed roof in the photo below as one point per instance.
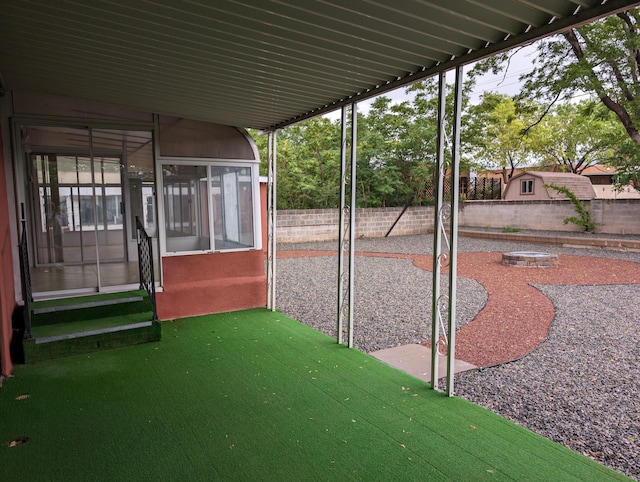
(260, 63)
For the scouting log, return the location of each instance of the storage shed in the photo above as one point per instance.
(530, 186)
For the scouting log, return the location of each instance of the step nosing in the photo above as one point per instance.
(99, 331)
(90, 304)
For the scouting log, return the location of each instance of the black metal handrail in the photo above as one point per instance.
(145, 264)
(25, 277)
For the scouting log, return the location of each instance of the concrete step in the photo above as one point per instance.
(89, 307)
(87, 324)
(89, 341)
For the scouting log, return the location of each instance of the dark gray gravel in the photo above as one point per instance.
(392, 303)
(581, 387)
(423, 244)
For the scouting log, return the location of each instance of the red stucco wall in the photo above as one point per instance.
(215, 282)
(7, 292)
(211, 283)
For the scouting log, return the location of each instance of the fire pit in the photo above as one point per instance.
(530, 259)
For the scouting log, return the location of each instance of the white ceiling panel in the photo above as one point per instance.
(260, 63)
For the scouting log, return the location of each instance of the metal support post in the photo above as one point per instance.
(453, 248)
(343, 243)
(352, 222)
(440, 259)
(271, 222)
(347, 225)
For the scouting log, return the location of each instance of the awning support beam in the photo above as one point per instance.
(439, 258)
(443, 306)
(271, 221)
(347, 226)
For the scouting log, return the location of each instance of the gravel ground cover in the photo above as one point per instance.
(423, 244)
(580, 387)
(392, 304)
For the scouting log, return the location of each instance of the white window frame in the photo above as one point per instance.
(522, 184)
(209, 163)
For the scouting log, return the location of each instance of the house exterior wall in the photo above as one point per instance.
(322, 224)
(215, 282)
(190, 138)
(7, 291)
(608, 191)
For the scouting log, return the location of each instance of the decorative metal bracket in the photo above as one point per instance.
(346, 235)
(271, 222)
(446, 216)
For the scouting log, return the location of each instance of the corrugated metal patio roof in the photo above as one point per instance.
(259, 63)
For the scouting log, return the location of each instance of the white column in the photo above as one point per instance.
(453, 248)
(343, 294)
(347, 230)
(439, 259)
(271, 222)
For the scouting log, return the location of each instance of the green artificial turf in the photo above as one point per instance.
(254, 395)
(89, 312)
(89, 324)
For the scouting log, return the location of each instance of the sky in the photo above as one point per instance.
(505, 83)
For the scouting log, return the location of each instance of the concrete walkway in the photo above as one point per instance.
(416, 360)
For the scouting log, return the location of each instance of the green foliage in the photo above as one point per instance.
(509, 229)
(628, 175)
(602, 59)
(583, 219)
(627, 167)
(396, 154)
(574, 136)
(495, 132)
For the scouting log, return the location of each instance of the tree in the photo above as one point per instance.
(496, 135)
(397, 140)
(602, 59)
(308, 160)
(395, 156)
(379, 180)
(575, 136)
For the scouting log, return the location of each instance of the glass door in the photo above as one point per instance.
(80, 210)
(81, 183)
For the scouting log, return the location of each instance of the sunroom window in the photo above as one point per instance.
(210, 207)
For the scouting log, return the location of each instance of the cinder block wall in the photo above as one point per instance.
(322, 224)
(614, 216)
(619, 216)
